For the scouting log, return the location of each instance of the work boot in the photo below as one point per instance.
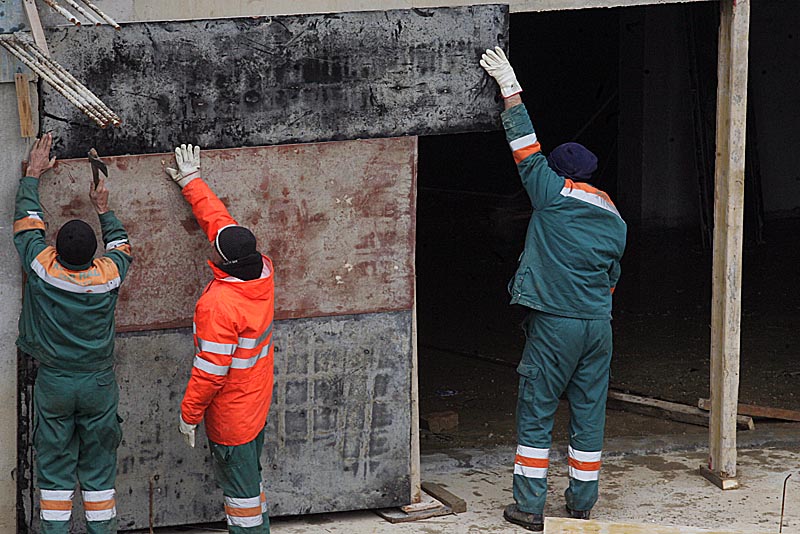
(578, 514)
(534, 522)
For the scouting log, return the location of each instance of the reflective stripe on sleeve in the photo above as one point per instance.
(114, 244)
(100, 505)
(251, 343)
(208, 367)
(523, 141)
(247, 363)
(225, 349)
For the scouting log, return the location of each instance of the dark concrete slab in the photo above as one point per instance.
(338, 434)
(272, 80)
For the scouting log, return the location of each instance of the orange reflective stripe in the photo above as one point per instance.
(243, 512)
(588, 188)
(95, 506)
(584, 466)
(28, 223)
(532, 462)
(263, 497)
(55, 505)
(612, 289)
(524, 152)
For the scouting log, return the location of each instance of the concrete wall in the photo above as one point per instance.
(155, 10)
(14, 149)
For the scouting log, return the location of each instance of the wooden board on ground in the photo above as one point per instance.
(558, 525)
(425, 509)
(274, 80)
(671, 410)
(456, 503)
(337, 219)
(754, 410)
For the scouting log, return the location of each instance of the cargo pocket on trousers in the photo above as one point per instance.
(528, 376)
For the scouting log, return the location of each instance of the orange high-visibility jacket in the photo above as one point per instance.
(231, 381)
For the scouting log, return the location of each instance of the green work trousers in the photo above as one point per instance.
(561, 354)
(237, 469)
(76, 434)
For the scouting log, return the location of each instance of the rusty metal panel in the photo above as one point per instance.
(337, 219)
(338, 435)
(272, 80)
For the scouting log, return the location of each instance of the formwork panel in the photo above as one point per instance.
(336, 218)
(272, 80)
(337, 437)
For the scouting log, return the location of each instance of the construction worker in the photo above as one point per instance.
(67, 325)
(566, 276)
(231, 380)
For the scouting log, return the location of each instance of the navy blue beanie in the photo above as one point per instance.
(573, 160)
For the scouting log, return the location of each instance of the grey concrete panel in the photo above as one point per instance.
(14, 151)
(338, 433)
(303, 78)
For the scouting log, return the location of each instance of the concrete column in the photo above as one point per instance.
(14, 149)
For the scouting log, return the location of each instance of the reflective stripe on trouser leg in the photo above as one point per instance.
(587, 392)
(551, 352)
(244, 512)
(100, 505)
(237, 471)
(55, 505)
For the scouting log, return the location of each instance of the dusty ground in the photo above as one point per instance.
(640, 488)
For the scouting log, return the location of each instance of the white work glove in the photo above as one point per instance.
(188, 159)
(496, 64)
(188, 432)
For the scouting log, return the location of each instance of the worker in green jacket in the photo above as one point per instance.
(566, 276)
(67, 325)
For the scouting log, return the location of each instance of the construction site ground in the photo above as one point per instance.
(644, 480)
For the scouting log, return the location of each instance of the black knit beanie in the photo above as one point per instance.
(240, 258)
(76, 243)
(573, 160)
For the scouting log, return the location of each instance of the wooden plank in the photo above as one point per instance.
(36, 26)
(728, 233)
(754, 410)
(456, 503)
(558, 525)
(427, 508)
(266, 81)
(26, 127)
(718, 481)
(337, 219)
(670, 410)
(416, 467)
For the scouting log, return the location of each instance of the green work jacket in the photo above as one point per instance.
(575, 238)
(67, 319)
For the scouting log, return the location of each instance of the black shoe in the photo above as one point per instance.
(534, 522)
(578, 514)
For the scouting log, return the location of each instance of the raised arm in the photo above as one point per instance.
(542, 184)
(115, 238)
(209, 211)
(29, 227)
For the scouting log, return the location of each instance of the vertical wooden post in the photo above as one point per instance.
(24, 105)
(728, 238)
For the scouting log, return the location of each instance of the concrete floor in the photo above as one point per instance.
(640, 483)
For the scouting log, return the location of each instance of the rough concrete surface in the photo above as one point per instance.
(661, 489)
(264, 81)
(14, 150)
(337, 438)
(155, 10)
(337, 219)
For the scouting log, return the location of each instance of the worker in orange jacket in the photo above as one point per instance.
(231, 380)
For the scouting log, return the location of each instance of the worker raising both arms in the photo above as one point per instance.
(67, 325)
